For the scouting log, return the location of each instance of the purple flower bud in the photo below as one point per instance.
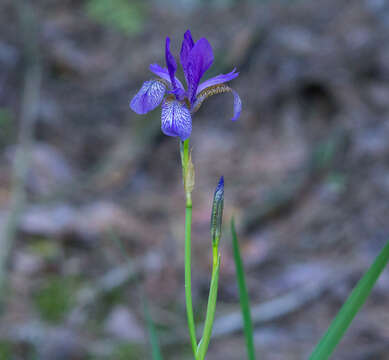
(217, 213)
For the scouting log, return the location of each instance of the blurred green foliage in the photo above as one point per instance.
(6, 127)
(126, 16)
(108, 301)
(337, 181)
(45, 248)
(324, 154)
(5, 350)
(128, 351)
(123, 351)
(56, 297)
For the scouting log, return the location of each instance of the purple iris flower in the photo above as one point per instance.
(178, 103)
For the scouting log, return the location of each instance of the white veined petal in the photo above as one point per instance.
(148, 97)
(176, 119)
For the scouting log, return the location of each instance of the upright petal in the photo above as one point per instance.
(163, 73)
(219, 79)
(186, 47)
(176, 119)
(148, 97)
(170, 63)
(199, 61)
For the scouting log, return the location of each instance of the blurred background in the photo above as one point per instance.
(91, 198)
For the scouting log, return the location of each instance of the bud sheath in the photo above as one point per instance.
(189, 175)
(217, 213)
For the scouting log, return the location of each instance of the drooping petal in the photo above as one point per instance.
(176, 119)
(219, 79)
(218, 89)
(199, 60)
(170, 63)
(163, 73)
(148, 97)
(186, 47)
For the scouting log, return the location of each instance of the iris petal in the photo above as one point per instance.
(199, 60)
(148, 97)
(186, 47)
(170, 63)
(219, 79)
(176, 119)
(218, 89)
(163, 73)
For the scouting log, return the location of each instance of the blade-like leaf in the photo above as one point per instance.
(243, 295)
(350, 308)
(153, 336)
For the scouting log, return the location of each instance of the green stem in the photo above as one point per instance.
(188, 276)
(203, 345)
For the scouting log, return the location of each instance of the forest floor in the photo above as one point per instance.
(95, 212)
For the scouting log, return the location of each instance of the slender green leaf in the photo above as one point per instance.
(350, 308)
(243, 295)
(153, 336)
